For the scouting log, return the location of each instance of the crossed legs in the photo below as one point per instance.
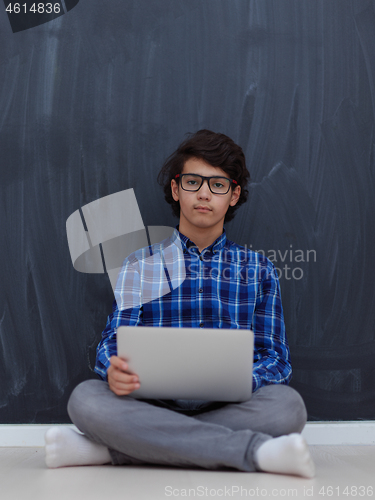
(237, 436)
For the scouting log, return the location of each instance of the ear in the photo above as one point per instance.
(235, 196)
(174, 189)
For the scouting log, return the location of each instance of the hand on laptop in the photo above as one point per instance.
(120, 380)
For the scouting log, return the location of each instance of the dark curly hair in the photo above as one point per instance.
(218, 150)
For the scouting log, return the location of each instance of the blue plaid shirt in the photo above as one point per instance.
(171, 284)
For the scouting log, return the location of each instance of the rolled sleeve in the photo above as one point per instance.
(127, 311)
(271, 350)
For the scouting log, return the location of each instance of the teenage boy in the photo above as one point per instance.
(225, 286)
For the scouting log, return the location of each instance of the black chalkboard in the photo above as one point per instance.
(94, 100)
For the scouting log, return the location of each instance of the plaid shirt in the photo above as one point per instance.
(171, 284)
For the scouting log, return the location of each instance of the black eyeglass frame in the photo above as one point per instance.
(204, 178)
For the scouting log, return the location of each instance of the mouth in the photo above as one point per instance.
(202, 208)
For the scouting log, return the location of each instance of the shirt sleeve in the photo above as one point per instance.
(271, 350)
(127, 311)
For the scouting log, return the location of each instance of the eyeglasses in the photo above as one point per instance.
(217, 184)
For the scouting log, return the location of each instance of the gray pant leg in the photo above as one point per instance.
(275, 410)
(137, 432)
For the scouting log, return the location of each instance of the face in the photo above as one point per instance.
(203, 209)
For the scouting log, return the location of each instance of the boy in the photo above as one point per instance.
(225, 286)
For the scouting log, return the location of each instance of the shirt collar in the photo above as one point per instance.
(187, 244)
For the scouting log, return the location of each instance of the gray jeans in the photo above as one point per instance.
(179, 433)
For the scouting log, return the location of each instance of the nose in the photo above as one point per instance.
(204, 191)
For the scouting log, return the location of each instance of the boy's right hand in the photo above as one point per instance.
(121, 381)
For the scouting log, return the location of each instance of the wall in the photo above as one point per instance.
(93, 101)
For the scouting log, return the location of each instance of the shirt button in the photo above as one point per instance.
(201, 257)
(200, 290)
(201, 325)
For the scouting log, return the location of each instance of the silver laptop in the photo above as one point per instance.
(189, 363)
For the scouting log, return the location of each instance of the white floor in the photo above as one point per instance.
(343, 472)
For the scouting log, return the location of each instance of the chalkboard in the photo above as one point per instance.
(93, 101)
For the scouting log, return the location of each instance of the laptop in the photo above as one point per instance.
(189, 363)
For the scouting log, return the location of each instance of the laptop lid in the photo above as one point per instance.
(188, 363)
